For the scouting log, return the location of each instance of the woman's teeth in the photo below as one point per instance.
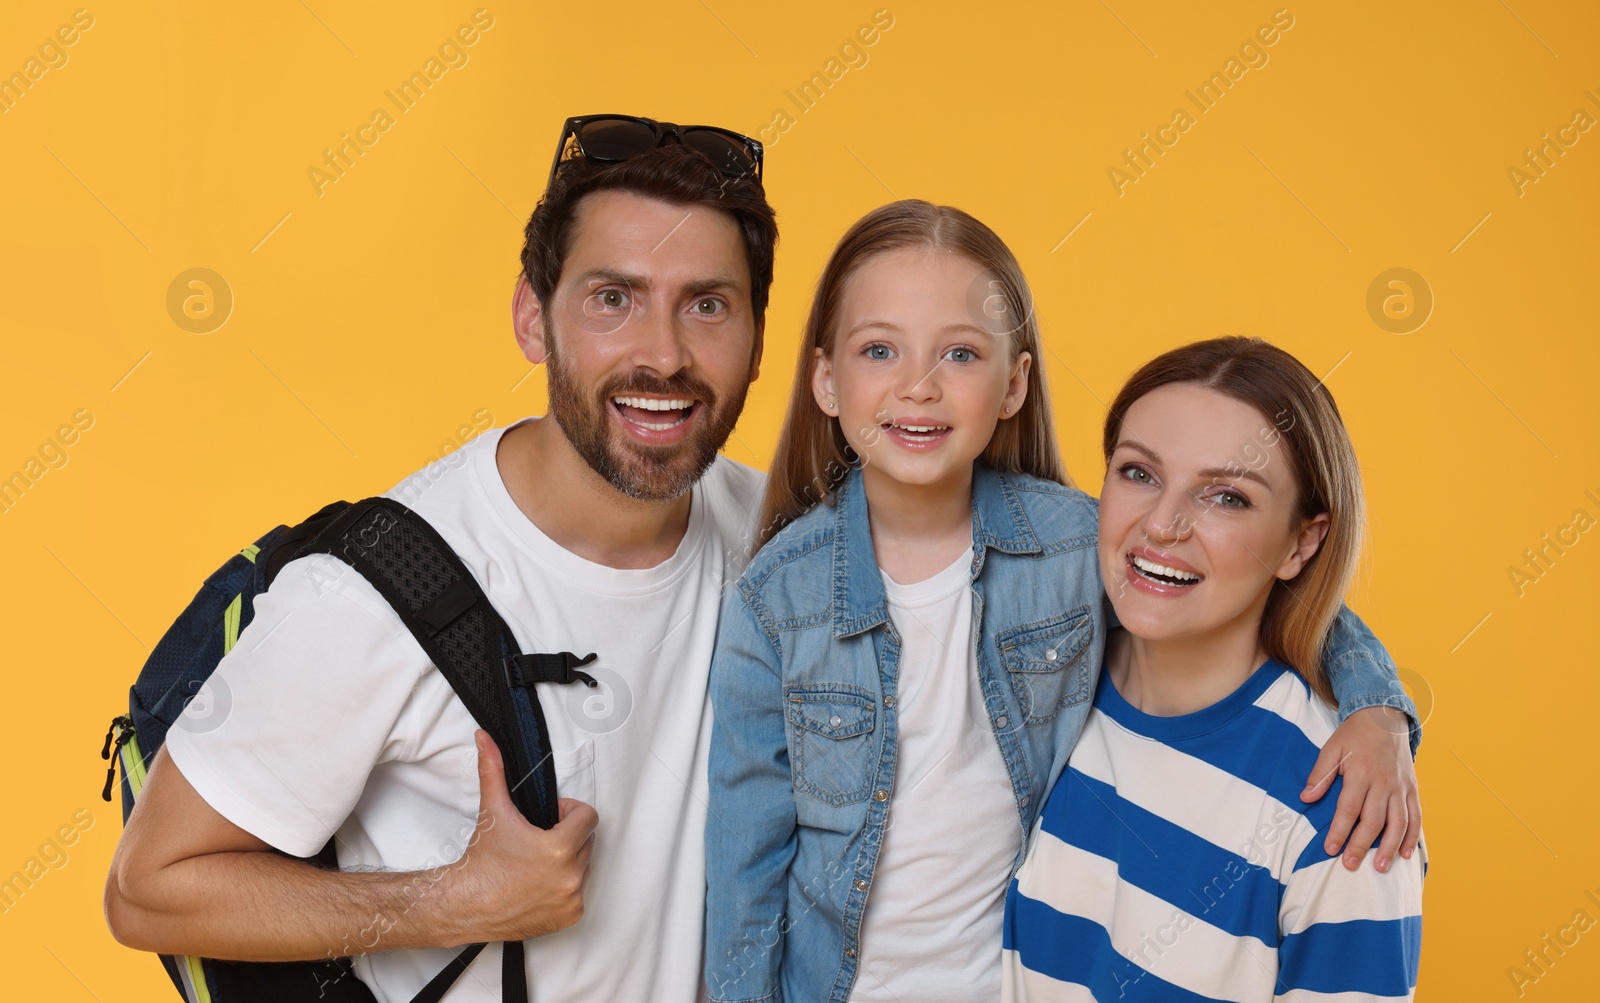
(1162, 574)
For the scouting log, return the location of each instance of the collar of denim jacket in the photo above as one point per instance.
(859, 600)
(999, 521)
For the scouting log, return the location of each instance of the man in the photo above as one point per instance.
(611, 529)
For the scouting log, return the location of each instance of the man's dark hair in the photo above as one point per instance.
(674, 174)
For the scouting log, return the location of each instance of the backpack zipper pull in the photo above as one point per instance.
(122, 726)
(122, 719)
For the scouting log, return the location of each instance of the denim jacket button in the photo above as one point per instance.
(881, 796)
(888, 701)
(835, 720)
(1002, 721)
(861, 885)
(850, 952)
(1050, 655)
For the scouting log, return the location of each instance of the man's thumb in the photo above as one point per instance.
(493, 795)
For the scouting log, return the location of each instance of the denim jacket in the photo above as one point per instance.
(803, 744)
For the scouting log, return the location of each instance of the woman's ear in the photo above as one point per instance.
(1305, 546)
(527, 322)
(822, 382)
(1016, 385)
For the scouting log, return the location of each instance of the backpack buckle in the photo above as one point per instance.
(561, 667)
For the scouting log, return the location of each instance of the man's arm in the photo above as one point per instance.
(185, 880)
(1372, 749)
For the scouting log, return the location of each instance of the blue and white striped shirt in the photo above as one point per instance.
(1174, 861)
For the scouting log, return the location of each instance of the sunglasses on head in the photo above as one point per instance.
(611, 139)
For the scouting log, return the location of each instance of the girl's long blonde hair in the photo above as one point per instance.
(813, 456)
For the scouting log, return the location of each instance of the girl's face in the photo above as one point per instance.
(1198, 515)
(917, 377)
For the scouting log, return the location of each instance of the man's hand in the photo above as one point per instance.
(517, 880)
(1372, 751)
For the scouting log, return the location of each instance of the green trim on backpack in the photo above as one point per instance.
(133, 765)
(235, 610)
(133, 769)
(230, 623)
(197, 979)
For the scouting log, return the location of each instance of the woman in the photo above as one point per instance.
(1174, 859)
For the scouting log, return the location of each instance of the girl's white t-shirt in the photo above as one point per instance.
(328, 719)
(935, 913)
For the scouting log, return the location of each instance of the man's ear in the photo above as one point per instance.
(527, 322)
(822, 381)
(755, 353)
(1305, 546)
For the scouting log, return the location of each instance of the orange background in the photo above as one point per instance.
(370, 321)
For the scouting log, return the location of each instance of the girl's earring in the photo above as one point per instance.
(830, 405)
(1008, 409)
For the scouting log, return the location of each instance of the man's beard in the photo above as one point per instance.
(648, 473)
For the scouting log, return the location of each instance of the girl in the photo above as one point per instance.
(1173, 861)
(902, 671)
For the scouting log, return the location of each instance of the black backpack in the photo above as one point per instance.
(437, 598)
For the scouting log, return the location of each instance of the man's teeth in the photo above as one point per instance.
(651, 404)
(1152, 568)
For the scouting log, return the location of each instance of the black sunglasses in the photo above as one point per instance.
(611, 139)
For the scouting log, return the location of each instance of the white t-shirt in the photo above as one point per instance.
(328, 715)
(932, 928)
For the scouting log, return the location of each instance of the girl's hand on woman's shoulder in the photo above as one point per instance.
(1372, 751)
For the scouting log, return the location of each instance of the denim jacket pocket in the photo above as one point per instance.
(831, 725)
(1047, 663)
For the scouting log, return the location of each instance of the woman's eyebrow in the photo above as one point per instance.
(1229, 476)
(1222, 474)
(1141, 447)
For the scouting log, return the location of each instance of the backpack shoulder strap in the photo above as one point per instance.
(439, 601)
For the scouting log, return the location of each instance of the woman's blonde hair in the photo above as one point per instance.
(813, 456)
(1300, 412)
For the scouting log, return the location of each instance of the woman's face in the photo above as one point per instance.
(1197, 515)
(917, 378)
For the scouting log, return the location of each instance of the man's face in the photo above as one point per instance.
(650, 340)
